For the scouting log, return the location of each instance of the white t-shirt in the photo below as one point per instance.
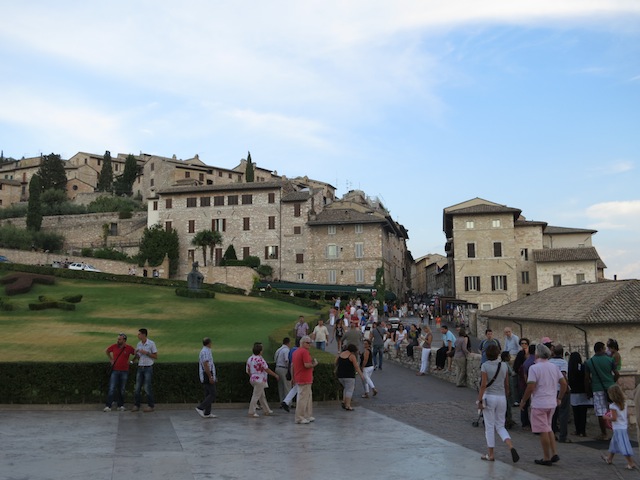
(621, 422)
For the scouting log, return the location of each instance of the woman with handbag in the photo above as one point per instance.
(492, 400)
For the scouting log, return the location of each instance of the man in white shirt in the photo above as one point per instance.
(147, 353)
(320, 335)
(511, 343)
(207, 372)
(281, 358)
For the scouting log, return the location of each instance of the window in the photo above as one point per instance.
(151, 182)
(525, 277)
(220, 174)
(495, 223)
(230, 176)
(332, 251)
(271, 252)
(205, 201)
(359, 250)
(155, 205)
(245, 223)
(359, 275)
(299, 257)
(232, 200)
(168, 203)
(331, 276)
(272, 198)
(192, 226)
(187, 174)
(300, 276)
(557, 280)
(272, 223)
(297, 209)
(191, 202)
(297, 230)
(470, 224)
(497, 249)
(471, 284)
(113, 229)
(359, 228)
(219, 224)
(471, 250)
(218, 201)
(217, 255)
(331, 230)
(524, 253)
(167, 226)
(580, 278)
(498, 282)
(201, 177)
(191, 254)
(247, 199)
(152, 167)
(245, 253)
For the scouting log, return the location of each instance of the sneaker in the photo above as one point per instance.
(311, 419)
(121, 409)
(285, 407)
(148, 409)
(106, 409)
(304, 421)
(135, 409)
(254, 415)
(211, 415)
(269, 413)
(200, 412)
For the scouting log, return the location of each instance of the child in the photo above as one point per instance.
(620, 441)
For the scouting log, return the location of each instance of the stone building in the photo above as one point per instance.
(424, 274)
(577, 316)
(497, 256)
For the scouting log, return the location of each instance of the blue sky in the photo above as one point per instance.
(425, 104)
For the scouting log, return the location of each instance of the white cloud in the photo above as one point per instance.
(620, 215)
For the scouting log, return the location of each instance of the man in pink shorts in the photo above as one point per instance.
(542, 388)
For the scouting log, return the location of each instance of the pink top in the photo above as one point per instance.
(257, 369)
(546, 377)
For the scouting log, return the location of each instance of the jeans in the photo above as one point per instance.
(560, 421)
(117, 380)
(143, 378)
(321, 345)
(378, 351)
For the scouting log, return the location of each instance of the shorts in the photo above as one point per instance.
(600, 404)
(541, 419)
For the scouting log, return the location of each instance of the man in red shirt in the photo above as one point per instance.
(118, 354)
(302, 365)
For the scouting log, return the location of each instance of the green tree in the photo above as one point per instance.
(34, 209)
(249, 173)
(105, 179)
(380, 285)
(124, 183)
(230, 253)
(52, 174)
(206, 239)
(156, 243)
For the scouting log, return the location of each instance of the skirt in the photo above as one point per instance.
(620, 443)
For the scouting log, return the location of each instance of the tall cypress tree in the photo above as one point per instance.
(34, 209)
(105, 179)
(124, 183)
(249, 173)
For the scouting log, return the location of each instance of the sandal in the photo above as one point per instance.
(375, 392)
(606, 459)
(349, 409)
(365, 395)
(487, 458)
(514, 455)
(631, 467)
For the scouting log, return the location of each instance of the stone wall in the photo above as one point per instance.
(239, 277)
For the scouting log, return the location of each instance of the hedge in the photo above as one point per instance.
(74, 383)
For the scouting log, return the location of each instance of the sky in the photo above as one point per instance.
(534, 104)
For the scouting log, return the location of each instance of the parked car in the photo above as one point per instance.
(83, 266)
(4, 259)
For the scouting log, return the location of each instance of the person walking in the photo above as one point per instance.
(320, 335)
(258, 371)
(208, 379)
(301, 329)
(619, 423)
(303, 365)
(346, 368)
(600, 373)
(147, 354)
(377, 335)
(281, 359)
(366, 365)
(492, 400)
(118, 354)
(542, 388)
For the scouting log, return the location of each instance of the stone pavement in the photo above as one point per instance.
(415, 428)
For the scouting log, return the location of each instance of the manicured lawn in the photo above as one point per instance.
(176, 324)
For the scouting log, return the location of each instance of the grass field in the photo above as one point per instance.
(176, 324)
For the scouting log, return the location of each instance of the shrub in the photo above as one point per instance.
(109, 253)
(86, 252)
(72, 298)
(191, 293)
(265, 270)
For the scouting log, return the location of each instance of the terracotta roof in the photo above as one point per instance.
(296, 196)
(338, 216)
(565, 254)
(488, 209)
(587, 303)
(551, 230)
(529, 223)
